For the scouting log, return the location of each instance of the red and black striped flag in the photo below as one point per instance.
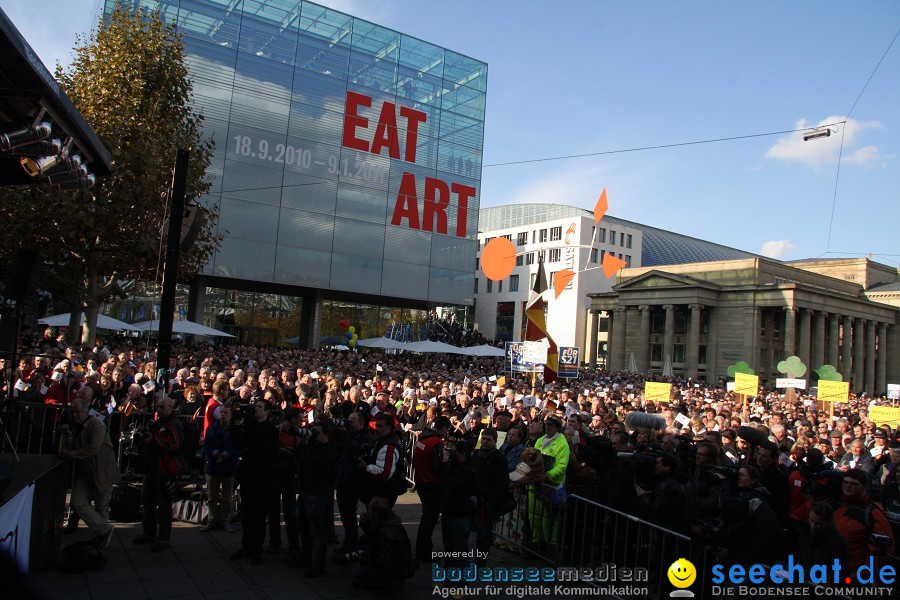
(536, 328)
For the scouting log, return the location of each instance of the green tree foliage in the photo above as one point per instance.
(740, 367)
(792, 366)
(828, 373)
(130, 81)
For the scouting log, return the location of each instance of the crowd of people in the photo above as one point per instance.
(302, 431)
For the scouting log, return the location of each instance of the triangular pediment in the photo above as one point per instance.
(662, 280)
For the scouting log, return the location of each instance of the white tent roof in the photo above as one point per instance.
(103, 322)
(484, 350)
(382, 342)
(438, 347)
(184, 327)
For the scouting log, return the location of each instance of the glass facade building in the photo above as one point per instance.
(348, 156)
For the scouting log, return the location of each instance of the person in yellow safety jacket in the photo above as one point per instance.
(555, 445)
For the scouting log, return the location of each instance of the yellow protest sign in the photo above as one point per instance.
(834, 391)
(746, 384)
(501, 381)
(658, 392)
(884, 415)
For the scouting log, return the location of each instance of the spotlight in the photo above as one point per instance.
(49, 147)
(816, 133)
(28, 135)
(85, 183)
(67, 176)
(36, 167)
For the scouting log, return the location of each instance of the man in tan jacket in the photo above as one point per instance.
(96, 470)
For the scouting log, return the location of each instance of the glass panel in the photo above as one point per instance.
(302, 266)
(245, 259)
(359, 238)
(356, 273)
(403, 280)
(462, 70)
(268, 40)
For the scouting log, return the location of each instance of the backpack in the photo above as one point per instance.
(83, 556)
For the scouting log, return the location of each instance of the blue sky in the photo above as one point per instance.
(576, 77)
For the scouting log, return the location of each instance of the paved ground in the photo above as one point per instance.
(198, 567)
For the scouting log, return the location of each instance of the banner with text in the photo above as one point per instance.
(516, 359)
(15, 527)
(834, 391)
(884, 415)
(658, 392)
(568, 362)
(746, 384)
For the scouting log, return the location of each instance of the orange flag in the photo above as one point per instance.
(601, 207)
(561, 279)
(611, 264)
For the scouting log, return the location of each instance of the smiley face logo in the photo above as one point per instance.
(682, 573)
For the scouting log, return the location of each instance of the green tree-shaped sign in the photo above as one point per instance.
(740, 367)
(792, 367)
(828, 373)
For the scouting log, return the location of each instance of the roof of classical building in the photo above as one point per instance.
(885, 287)
(660, 247)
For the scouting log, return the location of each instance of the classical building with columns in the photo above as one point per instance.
(698, 318)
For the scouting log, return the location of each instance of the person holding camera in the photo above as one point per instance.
(428, 456)
(382, 472)
(256, 473)
(356, 444)
(318, 462)
(96, 470)
(162, 441)
(285, 499)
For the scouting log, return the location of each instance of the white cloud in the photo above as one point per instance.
(777, 249)
(573, 187)
(822, 151)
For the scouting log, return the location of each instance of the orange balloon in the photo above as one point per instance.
(498, 259)
(601, 207)
(561, 279)
(611, 264)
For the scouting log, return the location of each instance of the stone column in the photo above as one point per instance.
(818, 352)
(712, 347)
(881, 365)
(870, 358)
(693, 341)
(893, 354)
(846, 347)
(790, 331)
(833, 338)
(858, 347)
(618, 342)
(804, 339)
(592, 338)
(643, 357)
(669, 337)
(610, 329)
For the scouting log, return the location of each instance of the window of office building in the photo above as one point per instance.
(520, 260)
(555, 233)
(529, 258)
(594, 254)
(554, 255)
(506, 320)
(500, 287)
(490, 286)
(602, 237)
(514, 283)
(628, 260)
(628, 242)
(508, 236)
(522, 238)
(612, 237)
(542, 236)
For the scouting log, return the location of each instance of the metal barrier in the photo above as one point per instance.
(34, 427)
(534, 525)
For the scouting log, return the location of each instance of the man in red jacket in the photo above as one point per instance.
(427, 460)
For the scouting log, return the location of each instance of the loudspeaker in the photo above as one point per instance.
(22, 278)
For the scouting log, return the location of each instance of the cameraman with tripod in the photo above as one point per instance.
(162, 440)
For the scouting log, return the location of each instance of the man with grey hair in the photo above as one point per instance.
(96, 470)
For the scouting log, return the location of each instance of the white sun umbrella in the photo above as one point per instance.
(382, 342)
(484, 350)
(103, 322)
(184, 327)
(434, 347)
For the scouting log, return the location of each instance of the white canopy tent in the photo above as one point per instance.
(183, 327)
(434, 347)
(484, 350)
(382, 342)
(103, 322)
